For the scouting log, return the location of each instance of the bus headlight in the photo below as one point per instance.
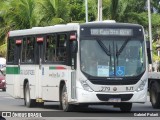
(142, 85)
(86, 86)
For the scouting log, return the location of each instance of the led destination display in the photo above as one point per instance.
(119, 32)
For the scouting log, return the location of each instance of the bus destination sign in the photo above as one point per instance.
(118, 32)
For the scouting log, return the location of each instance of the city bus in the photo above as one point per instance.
(94, 63)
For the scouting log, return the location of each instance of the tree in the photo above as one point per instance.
(16, 14)
(92, 10)
(53, 11)
(4, 24)
(77, 10)
(22, 14)
(115, 9)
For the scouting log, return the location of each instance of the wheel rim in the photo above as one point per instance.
(153, 96)
(64, 100)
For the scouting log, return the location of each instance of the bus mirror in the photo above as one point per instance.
(148, 52)
(74, 46)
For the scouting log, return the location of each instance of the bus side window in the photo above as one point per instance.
(11, 49)
(30, 49)
(30, 41)
(61, 47)
(50, 48)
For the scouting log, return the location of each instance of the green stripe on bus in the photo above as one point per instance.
(12, 70)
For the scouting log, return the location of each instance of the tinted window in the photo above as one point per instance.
(28, 50)
(55, 48)
(50, 54)
(61, 47)
(11, 47)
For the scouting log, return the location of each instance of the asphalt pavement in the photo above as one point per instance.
(51, 111)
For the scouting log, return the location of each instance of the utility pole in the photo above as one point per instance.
(150, 25)
(99, 10)
(86, 6)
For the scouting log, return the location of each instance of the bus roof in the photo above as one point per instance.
(109, 24)
(44, 30)
(67, 27)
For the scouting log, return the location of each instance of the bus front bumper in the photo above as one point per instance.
(84, 96)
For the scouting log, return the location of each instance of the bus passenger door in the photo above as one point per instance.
(17, 60)
(39, 68)
(48, 73)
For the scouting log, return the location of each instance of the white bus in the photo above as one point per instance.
(78, 65)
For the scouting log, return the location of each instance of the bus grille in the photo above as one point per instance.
(106, 97)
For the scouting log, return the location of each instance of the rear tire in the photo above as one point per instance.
(28, 101)
(64, 100)
(155, 95)
(125, 107)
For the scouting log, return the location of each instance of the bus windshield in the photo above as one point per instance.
(112, 56)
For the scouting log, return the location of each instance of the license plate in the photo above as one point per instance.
(114, 100)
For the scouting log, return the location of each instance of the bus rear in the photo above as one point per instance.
(112, 65)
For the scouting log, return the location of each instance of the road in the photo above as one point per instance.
(51, 110)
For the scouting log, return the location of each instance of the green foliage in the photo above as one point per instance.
(114, 9)
(53, 12)
(137, 6)
(3, 50)
(155, 57)
(4, 23)
(92, 10)
(77, 10)
(46, 11)
(22, 13)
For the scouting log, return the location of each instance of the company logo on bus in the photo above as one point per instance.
(114, 89)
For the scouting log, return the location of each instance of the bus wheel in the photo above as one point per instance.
(64, 100)
(155, 95)
(125, 107)
(28, 101)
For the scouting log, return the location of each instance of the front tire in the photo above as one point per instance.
(155, 95)
(28, 101)
(64, 100)
(125, 107)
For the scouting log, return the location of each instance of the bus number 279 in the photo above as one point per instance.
(103, 89)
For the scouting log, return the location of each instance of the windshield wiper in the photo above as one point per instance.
(104, 48)
(118, 52)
